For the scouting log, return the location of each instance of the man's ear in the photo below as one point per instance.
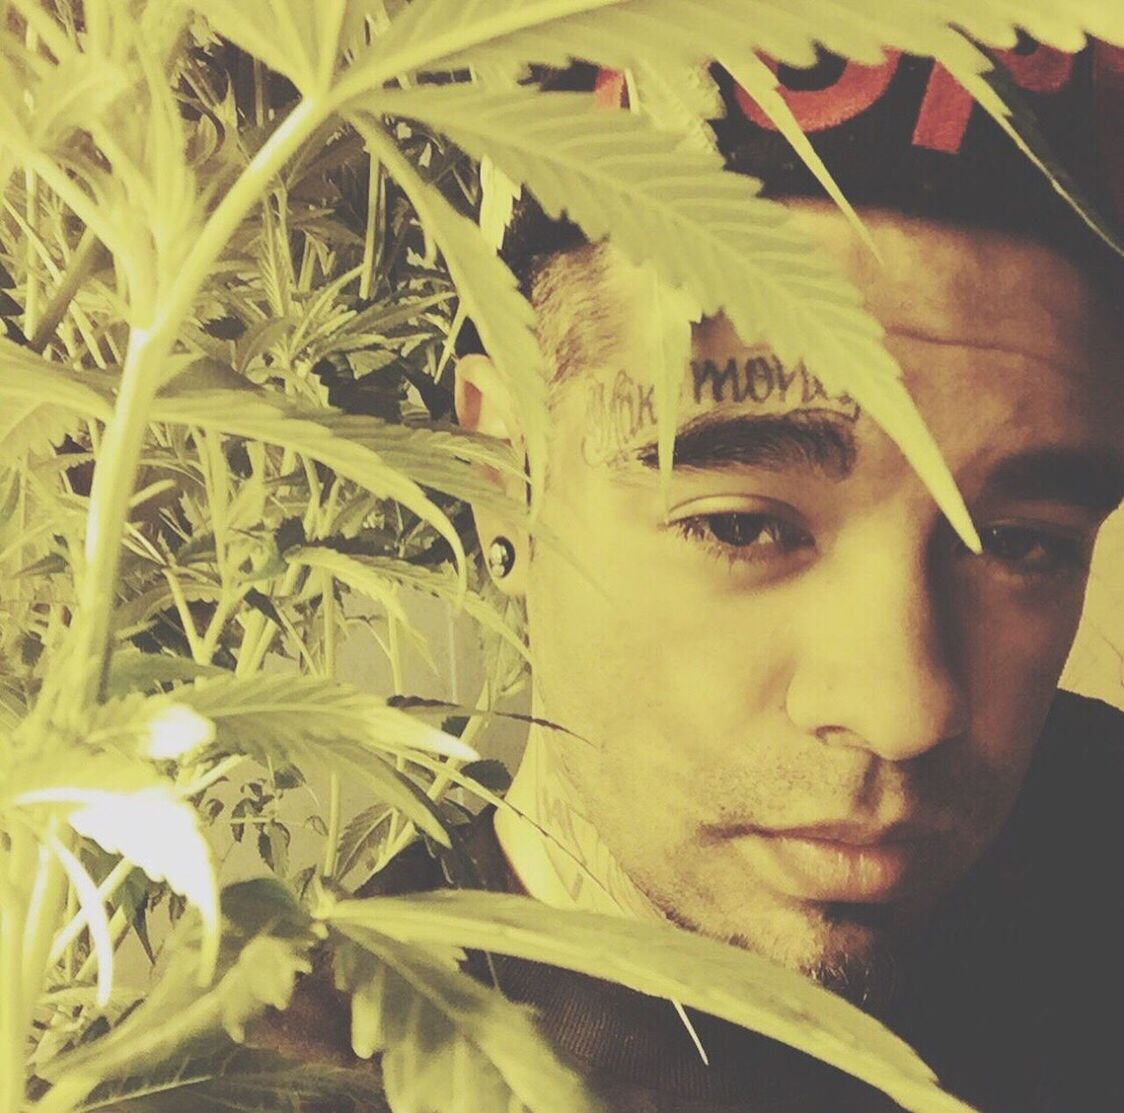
(484, 406)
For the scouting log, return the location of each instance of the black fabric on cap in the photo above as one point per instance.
(904, 136)
(913, 141)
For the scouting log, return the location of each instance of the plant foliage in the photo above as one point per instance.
(237, 243)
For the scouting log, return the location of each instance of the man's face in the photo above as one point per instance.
(810, 707)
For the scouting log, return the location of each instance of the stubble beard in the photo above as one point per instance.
(864, 974)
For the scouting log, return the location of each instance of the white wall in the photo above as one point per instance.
(1096, 665)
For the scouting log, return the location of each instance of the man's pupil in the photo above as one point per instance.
(743, 529)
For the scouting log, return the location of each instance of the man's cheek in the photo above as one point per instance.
(1013, 658)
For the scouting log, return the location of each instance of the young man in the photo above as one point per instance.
(799, 715)
(802, 717)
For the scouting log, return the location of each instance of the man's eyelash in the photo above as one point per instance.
(1063, 555)
(707, 530)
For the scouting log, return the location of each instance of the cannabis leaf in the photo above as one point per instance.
(293, 37)
(244, 414)
(121, 821)
(663, 961)
(447, 1042)
(233, 1080)
(371, 574)
(334, 727)
(313, 709)
(26, 377)
(503, 317)
(257, 969)
(705, 232)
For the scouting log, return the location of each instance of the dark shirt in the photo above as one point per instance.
(1012, 992)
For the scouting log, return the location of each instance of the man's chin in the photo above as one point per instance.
(844, 948)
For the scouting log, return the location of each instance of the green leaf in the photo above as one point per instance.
(362, 579)
(503, 317)
(333, 727)
(1057, 24)
(155, 727)
(666, 962)
(34, 427)
(259, 972)
(135, 613)
(443, 587)
(443, 457)
(313, 709)
(680, 101)
(122, 822)
(761, 84)
(361, 836)
(130, 670)
(666, 34)
(42, 403)
(294, 37)
(705, 231)
(28, 378)
(997, 94)
(663, 36)
(38, 779)
(498, 195)
(233, 1080)
(260, 337)
(263, 904)
(427, 33)
(276, 422)
(448, 1043)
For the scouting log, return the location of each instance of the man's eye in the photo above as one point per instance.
(745, 536)
(1034, 552)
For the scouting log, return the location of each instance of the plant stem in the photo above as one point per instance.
(87, 256)
(251, 185)
(27, 919)
(216, 773)
(118, 926)
(31, 182)
(328, 611)
(398, 825)
(75, 682)
(106, 891)
(331, 851)
(12, 1028)
(372, 241)
(31, 297)
(186, 621)
(70, 958)
(226, 606)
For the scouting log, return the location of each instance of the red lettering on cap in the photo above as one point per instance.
(858, 88)
(609, 89)
(1043, 70)
(945, 109)
(947, 106)
(944, 113)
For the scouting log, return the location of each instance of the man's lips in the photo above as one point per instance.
(839, 861)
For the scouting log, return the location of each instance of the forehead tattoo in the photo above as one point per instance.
(621, 418)
(762, 378)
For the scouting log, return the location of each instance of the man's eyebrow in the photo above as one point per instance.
(812, 441)
(1088, 478)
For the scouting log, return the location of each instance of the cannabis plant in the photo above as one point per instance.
(238, 243)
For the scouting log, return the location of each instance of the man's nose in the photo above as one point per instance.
(877, 662)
